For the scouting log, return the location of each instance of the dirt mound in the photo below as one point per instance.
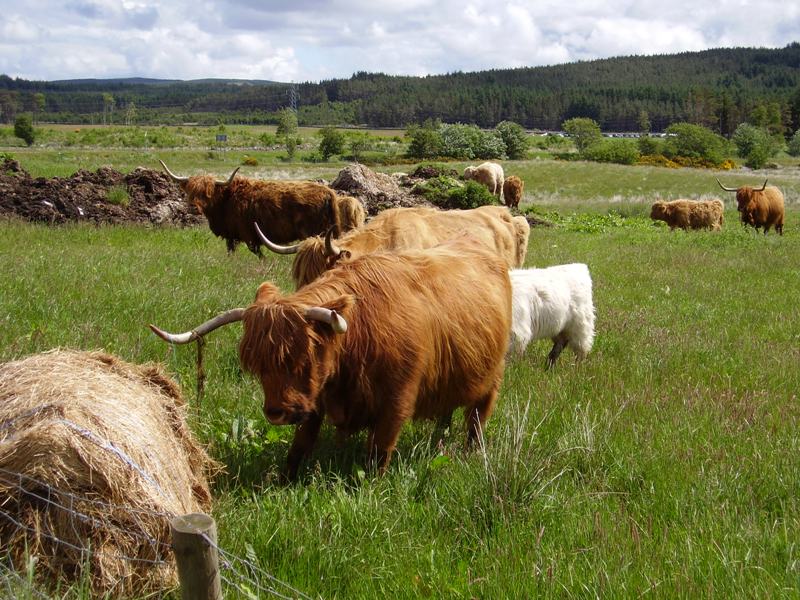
(376, 191)
(142, 196)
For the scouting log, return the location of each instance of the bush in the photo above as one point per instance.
(447, 192)
(459, 141)
(622, 152)
(23, 129)
(694, 141)
(649, 145)
(514, 138)
(249, 161)
(794, 144)
(754, 144)
(583, 131)
(425, 140)
(471, 195)
(331, 142)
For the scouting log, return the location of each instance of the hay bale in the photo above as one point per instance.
(94, 453)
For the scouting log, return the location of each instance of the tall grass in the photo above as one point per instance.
(666, 463)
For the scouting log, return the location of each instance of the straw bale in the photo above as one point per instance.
(95, 454)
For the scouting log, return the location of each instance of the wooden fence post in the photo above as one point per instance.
(194, 542)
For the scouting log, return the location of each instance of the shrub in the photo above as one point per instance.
(623, 152)
(649, 145)
(23, 129)
(471, 195)
(331, 142)
(583, 131)
(515, 139)
(425, 141)
(694, 141)
(249, 161)
(754, 144)
(794, 144)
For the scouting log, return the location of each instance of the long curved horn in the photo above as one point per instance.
(331, 317)
(230, 179)
(763, 187)
(171, 174)
(726, 188)
(331, 249)
(275, 247)
(235, 314)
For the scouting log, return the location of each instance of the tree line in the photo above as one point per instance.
(718, 89)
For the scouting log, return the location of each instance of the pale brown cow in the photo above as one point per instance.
(690, 214)
(287, 210)
(761, 207)
(377, 341)
(401, 228)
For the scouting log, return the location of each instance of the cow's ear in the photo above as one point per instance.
(342, 304)
(267, 292)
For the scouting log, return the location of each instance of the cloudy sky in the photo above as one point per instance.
(310, 40)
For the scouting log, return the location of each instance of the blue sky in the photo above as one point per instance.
(310, 40)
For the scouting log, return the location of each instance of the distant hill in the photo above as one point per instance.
(718, 88)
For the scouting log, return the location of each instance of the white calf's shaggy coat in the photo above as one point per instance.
(555, 303)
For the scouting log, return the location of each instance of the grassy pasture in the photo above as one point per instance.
(667, 463)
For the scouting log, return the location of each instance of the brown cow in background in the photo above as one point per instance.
(690, 214)
(761, 207)
(404, 228)
(512, 191)
(379, 340)
(288, 210)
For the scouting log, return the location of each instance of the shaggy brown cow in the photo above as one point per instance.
(512, 191)
(379, 340)
(287, 210)
(761, 207)
(690, 214)
(401, 228)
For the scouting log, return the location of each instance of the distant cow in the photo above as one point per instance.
(403, 228)
(376, 341)
(489, 174)
(287, 210)
(690, 214)
(761, 207)
(512, 191)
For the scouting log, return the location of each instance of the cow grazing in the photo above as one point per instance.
(377, 341)
(512, 191)
(489, 174)
(761, 207)
(402, 228)
(553, 303)
(286, 210)
(690, 214)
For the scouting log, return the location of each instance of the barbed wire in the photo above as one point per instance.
(240, 574)
(228, 560)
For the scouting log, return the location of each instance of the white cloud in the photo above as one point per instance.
(316, 39)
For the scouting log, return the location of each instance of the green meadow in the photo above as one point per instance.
(667, 464)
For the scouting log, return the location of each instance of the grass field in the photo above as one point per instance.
(666, 464)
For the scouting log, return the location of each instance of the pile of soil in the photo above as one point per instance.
(152, 197)
(377, 191)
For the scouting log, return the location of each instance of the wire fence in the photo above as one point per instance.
(240, 577)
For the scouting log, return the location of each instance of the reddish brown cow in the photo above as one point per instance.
(402, 228)
(690, 214)
(512, 191)
(761, 207)
(287, 210)
(379, 340)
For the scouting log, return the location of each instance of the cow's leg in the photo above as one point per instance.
(231, 244)
(477, 413)
(305, 436)
(383, 436)
(559, 343)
